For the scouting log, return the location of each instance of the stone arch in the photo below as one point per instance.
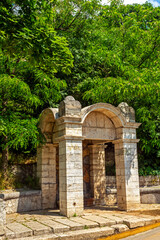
(122, 133)
(46, 159)
(113, 113)
(47, 121)
(98, 126)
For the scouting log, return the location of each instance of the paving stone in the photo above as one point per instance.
(54, 217)
(37, 227)
(134, 223)
(19, 230)
(153, 219)
(71, 224)
(123, 216)
(120, 228)
(100, 220)
(21, 226)
(85, 222)
(56, 227)
(156, 218)
(87, 234)
(118, 220)
(46, 237)
(1, 230)
(149, 221)
(9, 234)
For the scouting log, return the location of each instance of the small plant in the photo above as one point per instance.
(85, 227)
(74, 215)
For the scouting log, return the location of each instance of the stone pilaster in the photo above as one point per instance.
(97, 173)
(70, 176)
(70, 157)
(128, 195)
(46, 172)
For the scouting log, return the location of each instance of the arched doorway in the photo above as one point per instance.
(97, 130)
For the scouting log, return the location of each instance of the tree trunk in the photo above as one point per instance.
(5, 161)
(5, 149)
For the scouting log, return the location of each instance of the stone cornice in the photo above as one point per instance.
(68, 137)
(68, 120)
(126, 140)
(132, 125)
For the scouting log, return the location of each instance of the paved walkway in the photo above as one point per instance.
(153, 234)
(94, 223)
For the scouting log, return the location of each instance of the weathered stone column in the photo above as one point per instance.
(46, 172)
(69, 132)
(128, 195)
(97, 173)
(70, 177)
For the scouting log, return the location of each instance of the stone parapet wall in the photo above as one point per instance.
(144, 181)
(19, 201)
(148, 195)
(2, 213)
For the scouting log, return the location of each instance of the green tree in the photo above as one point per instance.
(31, 54)
(117, 59)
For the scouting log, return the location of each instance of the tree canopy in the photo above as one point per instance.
(31, 53)
(97, 53)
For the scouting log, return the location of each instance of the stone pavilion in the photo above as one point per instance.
(73, 132)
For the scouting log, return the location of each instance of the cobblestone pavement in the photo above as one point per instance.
(93, 224)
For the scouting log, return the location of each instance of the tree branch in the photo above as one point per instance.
(149, 54)
(73, 20)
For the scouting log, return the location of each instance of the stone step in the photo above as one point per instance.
(85, 222)
(119, 228)
(9, 234)
(87, 234)
(1, 230)
(71, 224)
(19, 230)
(56, 227)
(132, 221)
(118, 220)
(100, 220)
(37, 227)
(84, 234)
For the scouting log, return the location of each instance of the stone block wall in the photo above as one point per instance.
(71, 177)
(149, 190)
(150, 195)
(2, 213)
(144, 181)
(46, 172)
(19, 201)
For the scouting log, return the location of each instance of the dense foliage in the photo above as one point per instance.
(96, 53)
(31, 53)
